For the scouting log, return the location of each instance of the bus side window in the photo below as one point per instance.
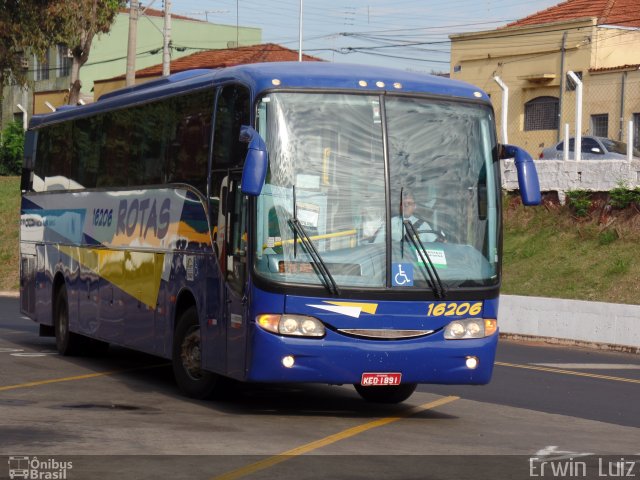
(236, 247)
(58, 167)
(189, 152)
(87, 138)
(232, 112)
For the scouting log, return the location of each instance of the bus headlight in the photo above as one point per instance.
(291, 325)
(470, 328)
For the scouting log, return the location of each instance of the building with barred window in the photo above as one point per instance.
(598, 40)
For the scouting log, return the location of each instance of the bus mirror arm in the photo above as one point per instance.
(254, 171)
(527, 174)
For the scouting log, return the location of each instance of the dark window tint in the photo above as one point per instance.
(588, 144)
(541, 114)
(87, 143)
(232, 112)
(119, 128)
(160, 142)
(53, 158)
(190, 138)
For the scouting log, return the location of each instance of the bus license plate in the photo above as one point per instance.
(380, 379)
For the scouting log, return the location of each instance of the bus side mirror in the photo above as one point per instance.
(527, 174)
(254, 172)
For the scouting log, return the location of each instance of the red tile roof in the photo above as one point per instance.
(608, 12)
(228, 57)
(625, 67)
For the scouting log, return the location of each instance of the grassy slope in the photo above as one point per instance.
(9, 225)
(546, 252)
(549, 253)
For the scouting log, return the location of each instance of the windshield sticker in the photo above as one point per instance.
(308, 214)
(437, 257)
(402, 274)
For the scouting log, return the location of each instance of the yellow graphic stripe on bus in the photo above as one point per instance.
(187, 231)
(365, 307)
(136, 273)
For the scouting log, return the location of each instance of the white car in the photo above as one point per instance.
(592, 148)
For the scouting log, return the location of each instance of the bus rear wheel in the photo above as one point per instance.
(387, 393)
(67, 342)
(186, 360)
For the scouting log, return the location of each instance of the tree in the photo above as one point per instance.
(78, 22)
(23, 24)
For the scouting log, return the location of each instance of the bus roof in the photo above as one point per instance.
(260, 77)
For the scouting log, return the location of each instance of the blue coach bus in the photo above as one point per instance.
(280, 222)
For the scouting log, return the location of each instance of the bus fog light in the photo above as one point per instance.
(288, 361)
(472, 363)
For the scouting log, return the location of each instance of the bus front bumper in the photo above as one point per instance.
(338, 359)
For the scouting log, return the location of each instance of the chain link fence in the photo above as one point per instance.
(537, 115)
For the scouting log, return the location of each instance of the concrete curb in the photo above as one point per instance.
(11, 294)
(607, 326)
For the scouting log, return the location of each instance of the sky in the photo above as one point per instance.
(406, 34)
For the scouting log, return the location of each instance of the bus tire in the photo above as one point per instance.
(67, 342)
(386, 394)
(186, 359)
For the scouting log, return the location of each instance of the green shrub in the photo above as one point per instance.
(11, 149)
(621, 197)
(579, 201)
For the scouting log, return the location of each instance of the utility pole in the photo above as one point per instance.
(131, 47)
(166, 33)
(300, 36)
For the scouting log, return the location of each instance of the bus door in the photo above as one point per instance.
(234, 265)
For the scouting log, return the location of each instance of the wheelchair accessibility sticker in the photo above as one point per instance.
(402, 274)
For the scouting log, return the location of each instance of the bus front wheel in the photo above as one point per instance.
(186, 360)
(386, 394)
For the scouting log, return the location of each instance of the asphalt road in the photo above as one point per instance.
(121, 416)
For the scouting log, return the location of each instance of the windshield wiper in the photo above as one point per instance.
(318, 263)
(436, 283)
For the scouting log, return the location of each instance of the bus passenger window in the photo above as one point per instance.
(189, 153)
(231, 114)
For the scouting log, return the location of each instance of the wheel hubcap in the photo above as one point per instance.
(190, 353)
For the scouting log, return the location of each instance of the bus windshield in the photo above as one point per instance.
(386, 189)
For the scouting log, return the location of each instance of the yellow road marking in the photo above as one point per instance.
(323, 442)
(77, 377)
(568, 372)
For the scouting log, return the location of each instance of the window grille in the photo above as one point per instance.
(541, 113)
(64, 61)
(600, 125)
(41, 71)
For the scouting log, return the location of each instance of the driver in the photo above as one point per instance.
(407, 209)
